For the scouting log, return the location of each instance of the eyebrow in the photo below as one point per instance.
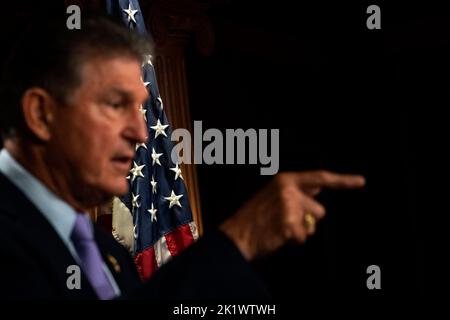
(128, 95)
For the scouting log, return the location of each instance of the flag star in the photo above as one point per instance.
(160, 101)
(144, 83)
(155, 157)
(143, 145)
(147, 60)
(153, 213)
(143, 111)
(134, 201)
(130, 12)
(136, 171)
(153, 183)
(159, 128)
(174, 199)
(177, 171)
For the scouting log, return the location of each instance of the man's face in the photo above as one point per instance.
(93, 139)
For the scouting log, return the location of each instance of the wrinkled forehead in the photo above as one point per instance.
(119, 73)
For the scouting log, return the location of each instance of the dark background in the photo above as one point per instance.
(344, 99)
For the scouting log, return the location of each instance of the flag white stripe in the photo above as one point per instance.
(162, 253)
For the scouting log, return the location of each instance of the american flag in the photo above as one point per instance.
(158, 201)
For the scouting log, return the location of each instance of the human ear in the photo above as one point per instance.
(38, 111)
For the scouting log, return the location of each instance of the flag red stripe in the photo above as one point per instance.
(146, 263)
(179, 239)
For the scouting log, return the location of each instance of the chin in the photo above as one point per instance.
(119, 188)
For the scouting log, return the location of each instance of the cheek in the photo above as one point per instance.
(97, 150)
(91, 150)
(104, 147)
(88, 142)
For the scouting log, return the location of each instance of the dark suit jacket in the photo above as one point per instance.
(34, 262)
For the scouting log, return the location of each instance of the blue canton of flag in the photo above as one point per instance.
(158, 201)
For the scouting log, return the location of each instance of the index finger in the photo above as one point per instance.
(330, 180)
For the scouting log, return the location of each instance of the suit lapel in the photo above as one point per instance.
(118, 261)
(42, 241)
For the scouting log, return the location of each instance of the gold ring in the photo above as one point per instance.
(310, 222)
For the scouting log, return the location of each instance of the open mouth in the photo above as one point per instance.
(123, 163)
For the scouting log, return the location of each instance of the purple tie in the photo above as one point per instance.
(91, 260)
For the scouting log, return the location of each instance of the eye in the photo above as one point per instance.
(116, 105)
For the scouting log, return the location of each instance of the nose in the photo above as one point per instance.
(136, 127)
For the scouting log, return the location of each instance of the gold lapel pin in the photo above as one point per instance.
(114, 263)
